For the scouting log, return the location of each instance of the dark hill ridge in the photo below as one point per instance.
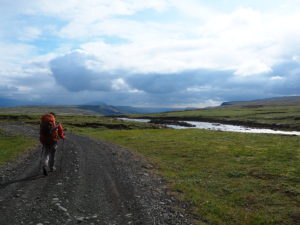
(110, 110)
(105, 110)
(91, 108)
(279, 101)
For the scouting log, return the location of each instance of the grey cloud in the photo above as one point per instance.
(169, 83)
(7, 89)
(213, 82)
(35, 80)
(186, 87)
(71, 72)
(222, 84)
(290, 84)
(9, 102)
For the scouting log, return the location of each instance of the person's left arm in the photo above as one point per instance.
(60, 130)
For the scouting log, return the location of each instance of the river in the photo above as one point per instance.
(221, 127)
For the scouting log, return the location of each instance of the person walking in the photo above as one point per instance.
(50, 132)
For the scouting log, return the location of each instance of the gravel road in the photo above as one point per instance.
(95, 183)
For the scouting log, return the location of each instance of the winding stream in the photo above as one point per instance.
(221, 127)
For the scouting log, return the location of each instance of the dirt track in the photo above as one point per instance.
(99, 183)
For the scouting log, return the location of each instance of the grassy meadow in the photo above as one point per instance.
(13, 145)
(226, 178)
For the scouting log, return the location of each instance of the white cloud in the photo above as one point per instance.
(277, 78)
(296, 58)
(119, 85)
(202, 104)
(199, 88)
(12, 58)
(252, 68)
(93, 10)
(212, 39)
(30, 34)
(245, 40)
(194, 9)
(22, 68)
(85, 18)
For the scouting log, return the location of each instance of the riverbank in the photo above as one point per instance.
(275, 117)
(211, 126)
(177, 121)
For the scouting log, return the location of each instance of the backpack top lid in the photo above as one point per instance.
(48, 118)
(47, 125)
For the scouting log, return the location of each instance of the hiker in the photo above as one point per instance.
(50, 132)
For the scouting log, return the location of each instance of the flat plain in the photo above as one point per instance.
(224, 177)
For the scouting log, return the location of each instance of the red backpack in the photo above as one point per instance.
(48, 129)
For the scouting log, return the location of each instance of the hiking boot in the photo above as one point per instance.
(45, 171)
(53, 169)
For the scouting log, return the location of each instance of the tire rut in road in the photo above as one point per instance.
(104, 187)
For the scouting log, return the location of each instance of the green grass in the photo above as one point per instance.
(13, 145)
(227, 178)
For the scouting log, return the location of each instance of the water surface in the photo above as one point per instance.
(221, 127)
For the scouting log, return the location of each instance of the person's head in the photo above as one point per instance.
(52, 113)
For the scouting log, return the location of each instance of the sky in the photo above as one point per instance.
(150, 53)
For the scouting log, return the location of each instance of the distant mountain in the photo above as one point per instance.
(105, 110)
(9, 102)
(142, 110)
(110, 110)
(101, 108)
(95, 103)
(285, 101)
(6, 102)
